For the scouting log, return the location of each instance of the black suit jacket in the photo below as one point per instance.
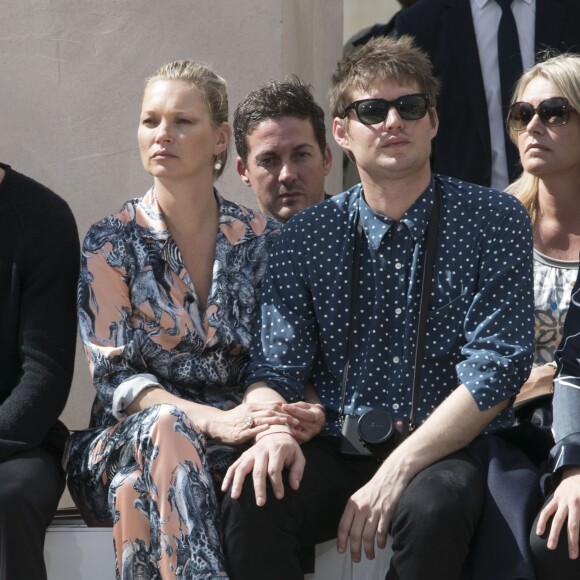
(444, 29)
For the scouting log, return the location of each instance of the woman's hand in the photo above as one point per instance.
(564, 506)
(311, 418)
(244, 422)
(540, 382)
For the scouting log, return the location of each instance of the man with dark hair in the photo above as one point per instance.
(283, 156)
(39, 264)
(408, 300)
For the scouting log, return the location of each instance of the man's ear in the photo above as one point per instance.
(327, 160)
(242, 172)
(340, 133)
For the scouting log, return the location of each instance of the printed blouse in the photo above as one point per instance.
(139, 315)
(553, 283)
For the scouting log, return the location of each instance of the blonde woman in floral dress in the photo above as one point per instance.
(168, 291)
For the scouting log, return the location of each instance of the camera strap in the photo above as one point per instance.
(426, 283)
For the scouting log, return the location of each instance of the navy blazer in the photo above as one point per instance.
(444, 29)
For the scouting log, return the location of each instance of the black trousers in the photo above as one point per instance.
(552, 564)
(432, 527)
(31, 484)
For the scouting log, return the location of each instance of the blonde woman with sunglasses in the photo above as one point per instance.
(545, 125)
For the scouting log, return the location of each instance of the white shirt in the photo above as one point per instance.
(486, 16)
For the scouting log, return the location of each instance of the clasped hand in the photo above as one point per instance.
(231, 426)
(279, 451)
(311, 419)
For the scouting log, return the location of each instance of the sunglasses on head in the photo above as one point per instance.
(551, 112)
(372, 111)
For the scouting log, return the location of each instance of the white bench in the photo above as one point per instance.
(77, 552)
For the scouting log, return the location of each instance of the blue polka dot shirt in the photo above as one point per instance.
(480, 323)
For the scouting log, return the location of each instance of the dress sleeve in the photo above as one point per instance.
(112, 346)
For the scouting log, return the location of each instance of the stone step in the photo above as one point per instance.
(73, 551)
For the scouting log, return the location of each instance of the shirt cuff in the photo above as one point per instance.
(128, 391)
(489, 378)
(565, 454)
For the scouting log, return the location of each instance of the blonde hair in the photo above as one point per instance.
(212, 87)
(563, 71)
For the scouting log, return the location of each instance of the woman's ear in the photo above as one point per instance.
(223, 138)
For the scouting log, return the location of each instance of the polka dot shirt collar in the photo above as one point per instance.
(376, 225)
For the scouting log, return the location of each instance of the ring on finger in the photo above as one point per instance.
(249, 422)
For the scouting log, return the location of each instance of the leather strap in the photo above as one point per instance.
(426, 283)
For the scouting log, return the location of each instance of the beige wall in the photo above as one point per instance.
(359, 14)
(72, 72)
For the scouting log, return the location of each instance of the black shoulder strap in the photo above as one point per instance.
(426, 283)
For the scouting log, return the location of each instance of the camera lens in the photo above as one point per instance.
(375, 426)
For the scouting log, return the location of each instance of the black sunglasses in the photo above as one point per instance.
(372, 111)
(552, 112)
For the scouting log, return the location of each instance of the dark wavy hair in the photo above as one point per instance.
(275, 99)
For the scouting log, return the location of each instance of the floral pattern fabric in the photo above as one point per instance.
(553, 283)
(139, 314)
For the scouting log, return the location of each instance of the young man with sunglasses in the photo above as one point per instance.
(353, 284)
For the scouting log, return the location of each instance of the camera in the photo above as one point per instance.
(375, 433)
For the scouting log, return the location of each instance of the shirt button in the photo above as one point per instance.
(398, 266)
(395, 406)
(399, 227)
(396, 359)
(398, 311)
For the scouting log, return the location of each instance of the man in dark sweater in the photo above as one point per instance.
(39, 261)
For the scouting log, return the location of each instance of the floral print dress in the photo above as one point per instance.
(150, 474)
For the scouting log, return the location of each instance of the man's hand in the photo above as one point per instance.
(274, 451)
(565, 505)
(368, 514)
(311, 417)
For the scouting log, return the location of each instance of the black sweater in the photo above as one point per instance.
(39, 263)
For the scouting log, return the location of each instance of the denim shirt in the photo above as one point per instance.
(480, 326)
